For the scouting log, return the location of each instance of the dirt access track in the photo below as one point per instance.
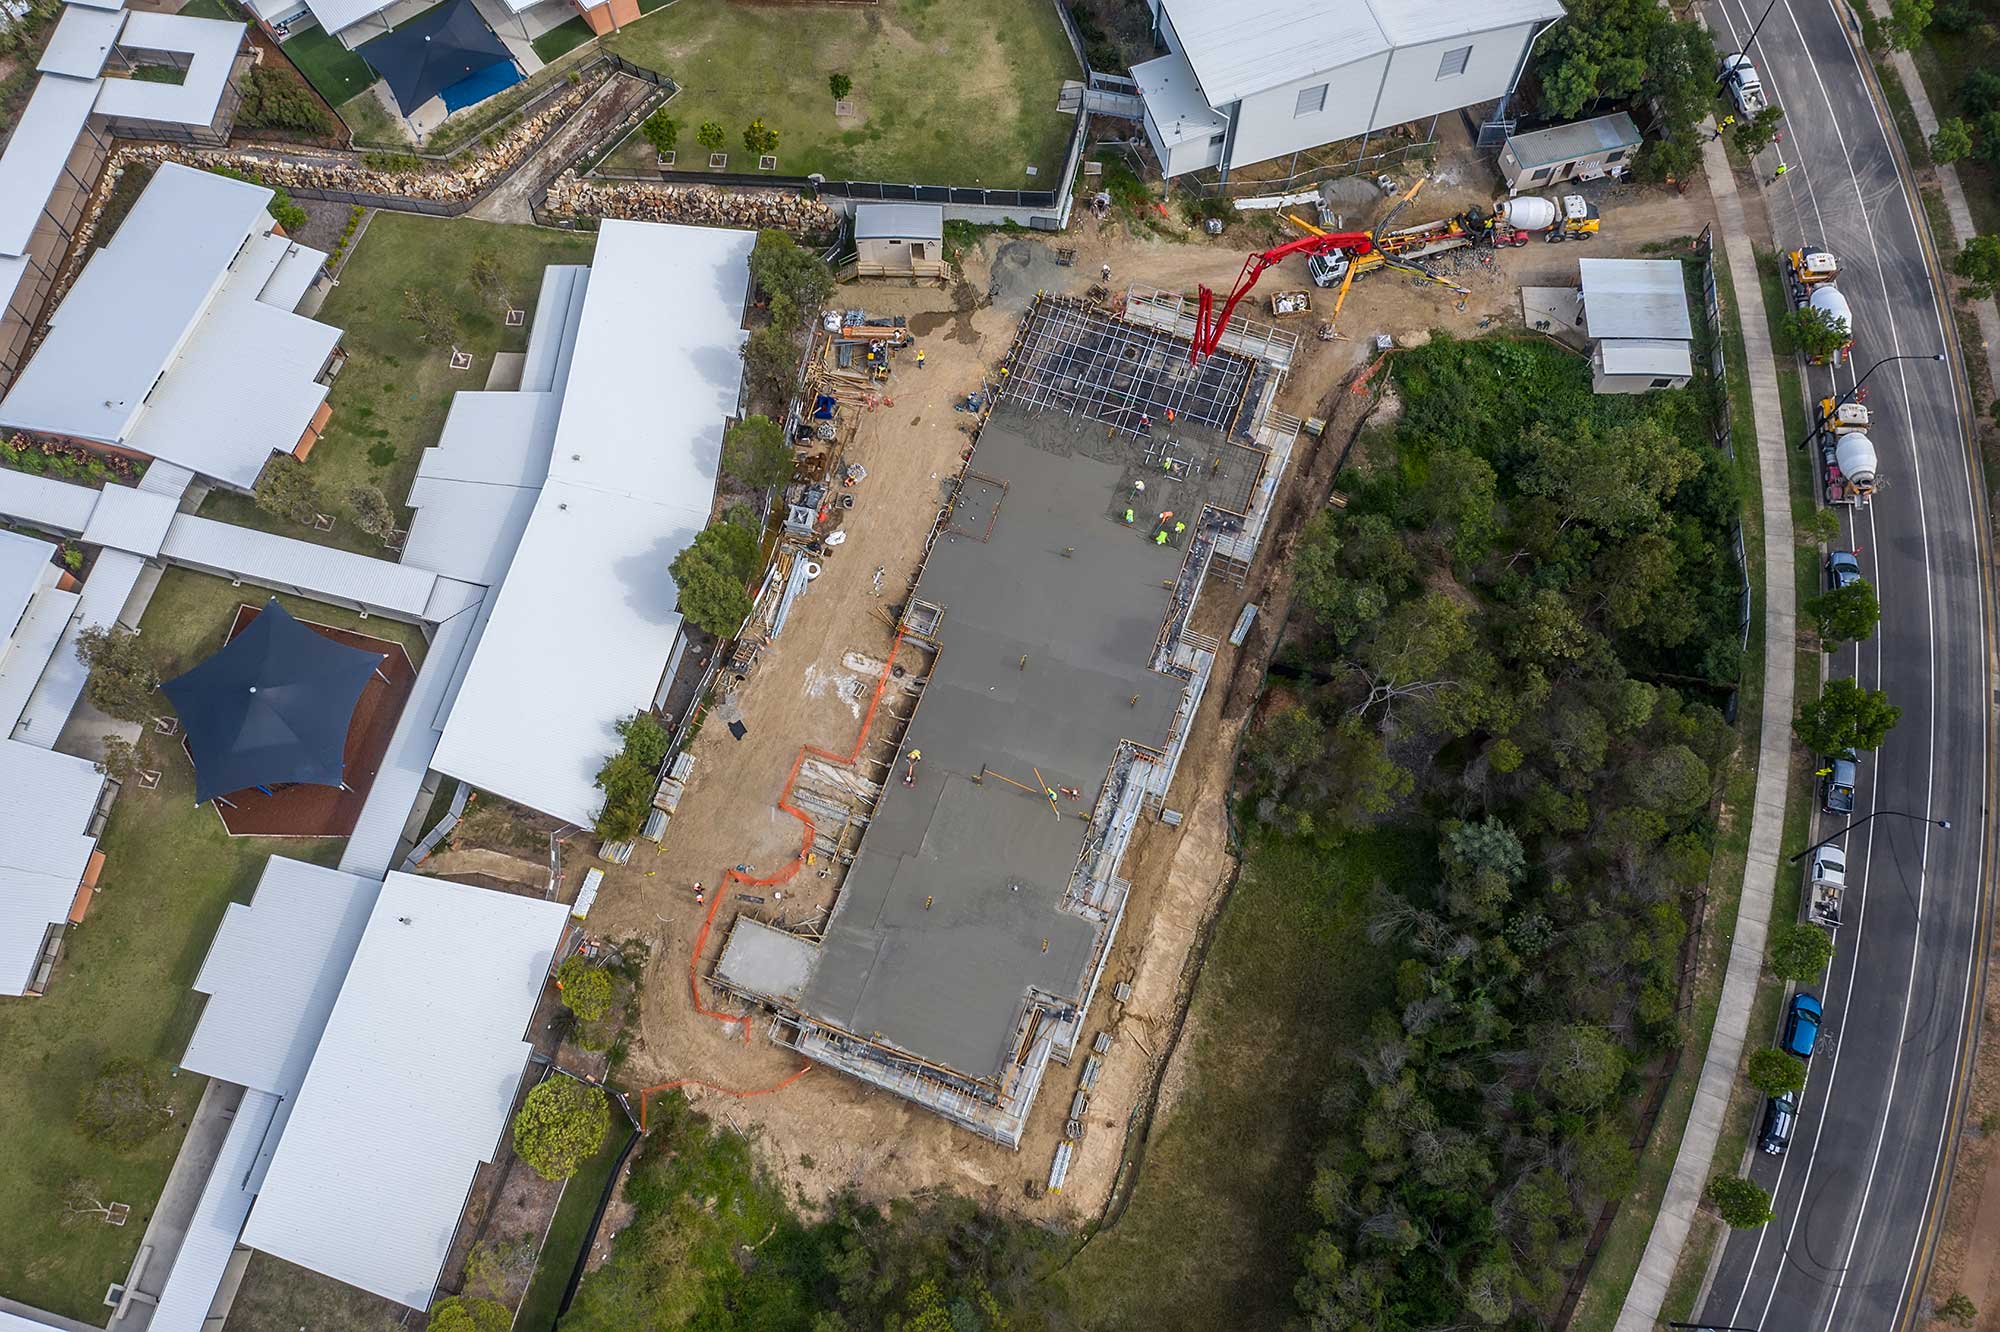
(817, 1130)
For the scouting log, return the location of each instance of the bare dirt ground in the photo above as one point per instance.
(1968, 1249)
(823, 1132)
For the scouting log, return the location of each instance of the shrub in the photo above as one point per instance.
(1952, 142)
(1776, 1073)
(469, 1313)
(1800, 952)
(794, 280)
(839, 85)
(710, 136)
(627, 777)
(396, 164)
(273, 99)
(759, 139)
(125, 671)
(586, 988)
(661, 131)
(372, 511)
(560, 1125)
(1740, 1203)
(754, 451)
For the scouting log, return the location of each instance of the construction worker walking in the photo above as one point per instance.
(920, 358)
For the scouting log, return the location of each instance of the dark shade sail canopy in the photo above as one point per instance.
(433, 51)
(273, 706)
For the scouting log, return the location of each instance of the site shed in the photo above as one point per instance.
(900, 240)
(1582, 150)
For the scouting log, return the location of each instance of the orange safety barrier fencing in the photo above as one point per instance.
(645, 1092)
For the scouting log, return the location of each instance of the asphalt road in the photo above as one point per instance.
(1853, 1195)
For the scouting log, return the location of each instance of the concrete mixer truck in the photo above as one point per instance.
(1514, 220)
(1847, 455)
(1811, 275)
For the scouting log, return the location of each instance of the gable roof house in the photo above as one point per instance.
(178, 340)
(1246, 81)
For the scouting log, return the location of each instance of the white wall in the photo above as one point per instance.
(1414, 90)
(1191, 155)
(1268, 128)
(1603, 383)
(1405, 81)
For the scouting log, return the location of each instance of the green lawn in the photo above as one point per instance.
(337, 72)
(122, 988)
(1210, 1236)
(390, 401)
(279, 1295)
(947, 92)
(372, 125)
(212, 9)
(562, 39)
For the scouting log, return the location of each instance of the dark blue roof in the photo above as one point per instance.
(273, 706)
(432, 51)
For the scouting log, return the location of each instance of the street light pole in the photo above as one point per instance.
(1921, 818)
(1849, 394)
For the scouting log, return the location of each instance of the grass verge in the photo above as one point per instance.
(950, 94)
(391, 399)
(1618, 1259)
(568, 1233)
(122, 987)
(1744, 1101)
(335, 71)
(1222, 1174)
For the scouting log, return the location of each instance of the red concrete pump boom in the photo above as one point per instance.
(1209, 322)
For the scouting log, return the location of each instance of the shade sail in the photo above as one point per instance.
(273, 706)
(433, 51)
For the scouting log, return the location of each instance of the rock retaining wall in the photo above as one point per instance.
(642, 201)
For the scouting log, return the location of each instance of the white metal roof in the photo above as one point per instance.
(552, 335)
(1635, 298)
(476, 489)
(37, 152)
(1241, 47)
(287, 564)
(105, 593)
(1174, 100)
(371, 847)
(899, 221)
(273, 972)
(333, 15)
(631, 482)
(134, 304)
(26, 566)
(28, 654)
(44, 502)
(127, 518)
(1645, 356)
(82, 41)
(197, 1271)
(244, 384)
(411, 1086)
(209, 44)
(97, 4)
(49, 798)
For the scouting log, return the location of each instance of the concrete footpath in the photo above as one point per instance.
(1696, 1161)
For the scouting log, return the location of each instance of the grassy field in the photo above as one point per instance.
(214, 9)
(337, 72)
(389, 403)
(122, 989)
(1210, 1236)
(276, 1294)
(957, 92)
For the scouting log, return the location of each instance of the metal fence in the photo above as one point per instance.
(1720, 423)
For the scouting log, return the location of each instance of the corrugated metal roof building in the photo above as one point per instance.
(45, 847)
(1636, 313)
(410, 1088)
(637, 450)
(178, 338)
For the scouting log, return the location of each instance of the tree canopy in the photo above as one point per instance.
(754, 451)
(1843, 614)
(586, 987)
(711, 574)
(125, 669)
(628, 777)
(560, 1125)
(1814, 332)
(1776, 1073)
(469, 1313)
(1512, 644)
(1845, 716)
(1741, 1203)
(794, 280)
(1624, 53)
(1800, 952)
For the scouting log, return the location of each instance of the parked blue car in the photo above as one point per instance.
(1801, 1026)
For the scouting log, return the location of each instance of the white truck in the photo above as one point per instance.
(1746, 88)
(1828, 880)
